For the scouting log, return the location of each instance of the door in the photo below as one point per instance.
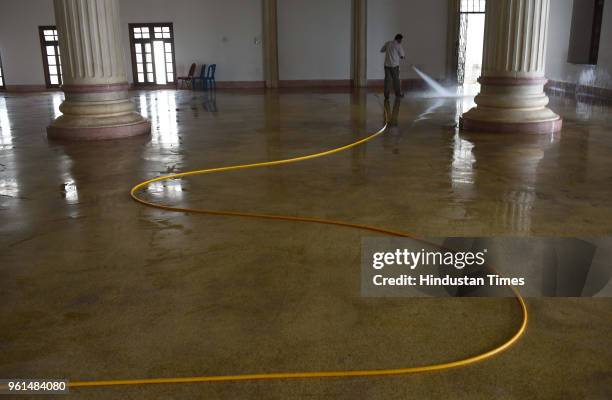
(471, 40)
(463, 24)
(152, 48)
(52, 60)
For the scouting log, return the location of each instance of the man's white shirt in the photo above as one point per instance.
(393, 53)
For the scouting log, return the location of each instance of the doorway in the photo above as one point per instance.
(52, 60)
(2, 85)
(152, 49)
(471, 41)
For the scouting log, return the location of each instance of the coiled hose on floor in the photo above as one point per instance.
(311, 374)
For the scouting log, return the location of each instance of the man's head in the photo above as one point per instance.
(399, 37)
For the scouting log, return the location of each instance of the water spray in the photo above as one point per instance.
(435, 86)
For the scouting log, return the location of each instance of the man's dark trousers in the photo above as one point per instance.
(392, 74)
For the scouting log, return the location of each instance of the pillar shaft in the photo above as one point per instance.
(512, 97)
(270, 43)
(515, 38)
(359, 38)
(97, 104)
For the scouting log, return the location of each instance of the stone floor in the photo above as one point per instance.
(96, 287)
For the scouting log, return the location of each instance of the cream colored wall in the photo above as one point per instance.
(314, 36)
(19, 40)
(557, 67)
(423, 24)
(226, 32)
(314, 39)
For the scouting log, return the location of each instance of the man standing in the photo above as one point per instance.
(393, 54)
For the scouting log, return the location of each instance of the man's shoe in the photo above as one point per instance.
(401, 95)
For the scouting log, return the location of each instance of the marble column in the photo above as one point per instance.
(512, 97)
(96, 105)
(270, 43)
(359, 38)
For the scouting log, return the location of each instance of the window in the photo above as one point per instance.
(51, 56)
(471, 40)
(152, 48)
(473, 6)
(585, 33)
(2, 85)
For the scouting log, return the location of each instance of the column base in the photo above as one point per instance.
(541, 127)
(97, 112)
(511, 105)
(58, 132)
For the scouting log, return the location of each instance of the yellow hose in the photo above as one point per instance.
(299, 375)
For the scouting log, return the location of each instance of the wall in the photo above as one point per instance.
(423, 24)
(223, 32)
(557, 67)
(314, 39)
(206, 31)
(19, 40)
(314, 36)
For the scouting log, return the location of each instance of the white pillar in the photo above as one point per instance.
(512, 97)
(359, 38)
(95, 84)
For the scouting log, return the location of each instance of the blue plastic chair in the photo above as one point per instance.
(202, 76)
(209, 79)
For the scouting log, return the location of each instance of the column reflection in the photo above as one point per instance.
(507, 173)
(6, 136)
(359, 109)
(462, 171)
(58, 98)
(9, 185)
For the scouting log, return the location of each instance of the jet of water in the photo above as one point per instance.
(433, 84)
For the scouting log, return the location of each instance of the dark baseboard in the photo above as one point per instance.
(315, 83)
(29, 89)
(219, 84)
(573, 90)
(241, 84)
(151, 87)
(553, 88)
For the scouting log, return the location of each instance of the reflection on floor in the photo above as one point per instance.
(96, 287)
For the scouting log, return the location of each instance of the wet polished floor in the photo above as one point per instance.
(94, 286)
